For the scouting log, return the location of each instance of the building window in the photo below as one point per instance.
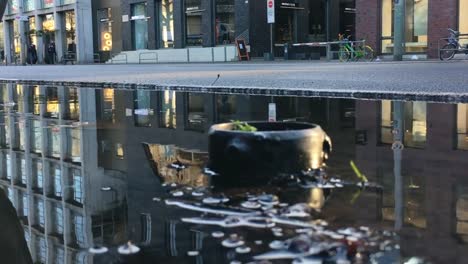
(226, 108)
(36, 137)
(196, 117)
(414, 123)
(70, 26)
(462, 126)
(119, 150)
(25, 205)
(58, 220)
(415, 25)
(78, 222)
(193, 22)
(2, 47)
(19, 130)
(41, 250)
(142, 108)
(77, 186)
(40, 219)
(72, 105)
(18, 97)
(166, 23)
(53, 105)
(108, 105)
(463, 19)
(57, 180)
(47, 3)
(13, 6)
(6, 128)
(139, 26)
(59, 255)
(28, 5)
(168, 118)
(104, 17)
(224, 22)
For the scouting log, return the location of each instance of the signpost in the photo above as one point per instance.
(271, 21)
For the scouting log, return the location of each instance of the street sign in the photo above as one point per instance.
(272, 112)
(271, 11)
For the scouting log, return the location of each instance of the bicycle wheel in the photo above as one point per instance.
(447, 52)
(368, 53)
(343, 54)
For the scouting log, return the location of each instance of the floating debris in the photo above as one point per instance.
(298, 210)
(98, 250)
(128, 249)
(209, 172)
(215, 200)
(232, 221)
(258, 242)
(198, 208)
(233, 241)
(268, 199)
(276, 244)
(243, 250)
(217, 234)
(197, 194)
(178, 193)
(193, 253)
(156, 199)
(251, 205)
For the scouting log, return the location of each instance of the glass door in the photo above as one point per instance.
(139, 26)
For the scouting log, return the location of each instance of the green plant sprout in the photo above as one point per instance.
(243, 126)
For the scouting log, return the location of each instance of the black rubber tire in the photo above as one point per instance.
(448, 52)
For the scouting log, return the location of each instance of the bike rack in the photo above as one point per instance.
(151, 59)
(114, 58)
(355, 44)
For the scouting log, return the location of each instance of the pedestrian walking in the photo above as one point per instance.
(51, 52)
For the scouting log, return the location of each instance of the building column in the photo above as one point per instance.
(40, 40)
(441, 15)
(84, 32)
(8, 41)
(368, 14)
(208, 21)
(179, 24)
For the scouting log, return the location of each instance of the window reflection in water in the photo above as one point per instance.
(7, 138)
(72, 105)
(226, 107)
(40, 220)
(77, 186)
(168, 109)
(142, 108)
(38, 100)
(78, 230)
(19, 131)
(22, 171)
(36, 137)
(461, 210)
(57, 180)
(41, 250)
(25, 205)
(414, 123)
(38, 178)
(108, 104)
(9, 169)
(74, 145)
(58, 220)
(19, 98)
(196, 117)
(52, 103)
(59, 255)
(462, 126)
(53, 140)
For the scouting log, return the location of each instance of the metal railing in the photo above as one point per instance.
(154, 58)
(115, 58)
(462, 47)
(330, 46)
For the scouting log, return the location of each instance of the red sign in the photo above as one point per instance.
(270, 4)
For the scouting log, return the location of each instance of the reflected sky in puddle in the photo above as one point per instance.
(86, 167)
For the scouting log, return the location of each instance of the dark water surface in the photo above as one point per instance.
(91, 167)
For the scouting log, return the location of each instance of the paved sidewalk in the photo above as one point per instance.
(427, 77)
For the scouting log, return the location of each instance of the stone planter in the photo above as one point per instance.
(276, 148)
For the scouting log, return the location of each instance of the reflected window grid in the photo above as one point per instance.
(24, 178)
(57, 181)
(119, 150)
(73, 106)
(25, 205)
(168, 109)
(77, 184)
(196, 117)
(52, 103)
(59, 255)
(41, 249)
(36, 137)
(142, 108)
(9, 168)
(74, 151)
(58, 220)
(79, 229)
(40, 213)
(54, 141)
(39, 175)
(38, 100)
(108, 104)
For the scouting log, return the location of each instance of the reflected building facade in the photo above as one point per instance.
(48, 168)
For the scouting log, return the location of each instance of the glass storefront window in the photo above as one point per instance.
(193, 22)
(74, 145)
(463, 19)
(224, 22)
(52, 103)
(166, 23)
(104, 17)
(462, 126)
(196, 117)
(139, 26)
(13, 6)
(415, 26)
(28, 5)
(142, 108)
(47, 3)
(414, 123)
(168, 116)
(70, 26)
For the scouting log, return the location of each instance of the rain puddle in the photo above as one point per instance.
(102, 175)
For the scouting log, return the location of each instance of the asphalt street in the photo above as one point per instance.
(416, 77)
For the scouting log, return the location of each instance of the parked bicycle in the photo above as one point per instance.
(453, 46)
(348, 51)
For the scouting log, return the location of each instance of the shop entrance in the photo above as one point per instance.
(285, 29)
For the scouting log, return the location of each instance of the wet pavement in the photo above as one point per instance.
(119, 176)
